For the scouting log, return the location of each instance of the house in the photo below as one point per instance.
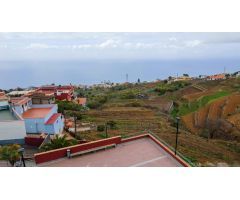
(42, 97)
(12, 125)
(18, 105)
(82, 101)
(61, 93)
(20, 93)
(64, 93)
(182, 78)
(203, 77)
(3, 101)
(43, 119)
(216, 77)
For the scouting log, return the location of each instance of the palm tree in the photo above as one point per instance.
(58, 142)
(10, 153)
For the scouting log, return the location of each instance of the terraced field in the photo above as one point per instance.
(220, 109)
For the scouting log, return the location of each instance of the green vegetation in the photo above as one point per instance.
(162, 88)
(58, 142)
(66, 105)
(10, 153)
(97, 101)
(100, 128)
(112, 124)
(190, 107)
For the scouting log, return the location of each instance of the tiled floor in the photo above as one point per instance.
(138, 153)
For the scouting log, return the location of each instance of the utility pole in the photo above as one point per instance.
(126, 78)
(106, 130)
(178, 119)
(75, 124)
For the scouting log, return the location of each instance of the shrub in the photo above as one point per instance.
(10, 153)
(59, 142)
(128, 95)
(204, 133)
(93, 104)
(112, 124)
(74, 114)
(100, 128)
(66, 105)
(133, 104)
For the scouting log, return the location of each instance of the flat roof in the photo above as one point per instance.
(11, 130)
(36, 113)
(142, 152)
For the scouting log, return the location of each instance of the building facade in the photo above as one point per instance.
(43, 119)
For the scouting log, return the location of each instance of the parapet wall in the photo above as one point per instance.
(61, 153)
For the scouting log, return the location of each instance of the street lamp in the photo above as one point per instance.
(178, 119)
(21, 150)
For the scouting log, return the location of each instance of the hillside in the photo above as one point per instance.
(209, 111)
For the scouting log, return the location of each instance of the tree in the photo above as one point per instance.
(186, 75)
(138, 80)
(58, 142)
(10, 153)
(227, 76)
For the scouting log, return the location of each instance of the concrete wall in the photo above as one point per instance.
(34, 125)
(22, 108)
(60, 153)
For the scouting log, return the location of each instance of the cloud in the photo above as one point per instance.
(41, 46)
(193, 43)
(172, 39)
(81, 46)
(3, 46)
(109, 44)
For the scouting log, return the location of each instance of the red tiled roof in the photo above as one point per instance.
(53, 118)
(217, 76)
(36, 113)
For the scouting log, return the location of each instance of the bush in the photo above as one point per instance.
(112, 124)
(133, 104)
(204, 133)
(100, 128)
(93, 104)
(10, 153)
(162, 88)
(66, 105)
(128, 95)
(74, 114)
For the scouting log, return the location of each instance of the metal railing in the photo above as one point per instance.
(163, 142)
(172, 149)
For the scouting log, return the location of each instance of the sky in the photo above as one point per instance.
(50, 46)
(95, 57)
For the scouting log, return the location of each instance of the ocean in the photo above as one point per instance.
(35, 73)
